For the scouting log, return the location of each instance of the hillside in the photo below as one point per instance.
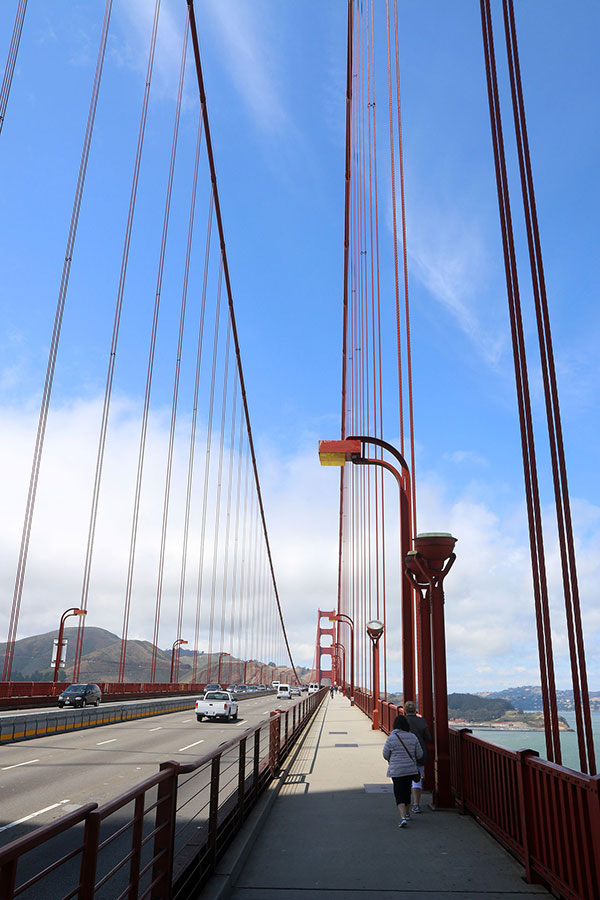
(101, 655)
(529, 697)
(490, 711)
(477, 709)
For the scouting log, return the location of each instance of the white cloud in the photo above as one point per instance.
(490, 624)
(129, 46)
(461, 457)
(243, 30)
(448, 256)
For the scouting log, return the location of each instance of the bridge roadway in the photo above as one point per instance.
(330, 832)
(42, 778)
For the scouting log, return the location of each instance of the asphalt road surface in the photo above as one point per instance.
(43, 778)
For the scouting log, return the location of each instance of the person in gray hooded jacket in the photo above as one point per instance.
(403, 752)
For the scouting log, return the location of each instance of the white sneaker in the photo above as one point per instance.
(416, 808)
(403, 823)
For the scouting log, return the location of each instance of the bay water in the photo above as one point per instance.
(536, 740)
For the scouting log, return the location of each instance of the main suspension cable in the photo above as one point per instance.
(194, 34)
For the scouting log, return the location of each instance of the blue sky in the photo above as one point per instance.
(275, 78)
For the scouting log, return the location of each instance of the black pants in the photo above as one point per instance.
(402, 788)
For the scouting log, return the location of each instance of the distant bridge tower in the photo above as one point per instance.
(325, 651)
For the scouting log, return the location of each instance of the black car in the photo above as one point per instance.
(80, 695)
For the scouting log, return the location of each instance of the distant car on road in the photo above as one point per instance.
(313, 687)
(212, 687)
(295, 690)
(283, 692)
(241, 689)
(78, 695)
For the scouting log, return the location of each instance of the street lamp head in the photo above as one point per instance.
(337, 453)
(412, 566)
(435, 547)
(375, 629)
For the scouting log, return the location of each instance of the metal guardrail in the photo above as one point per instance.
(26, 727)
(161, 839)
(20, 694)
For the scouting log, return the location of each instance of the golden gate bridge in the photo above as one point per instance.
(388, 572)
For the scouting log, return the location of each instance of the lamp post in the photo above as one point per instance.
(74, 611)
(375, 630)
(342, 617)
(352, 449)
(424, 662)
(342, 668)
(176, 645)
(428, 567)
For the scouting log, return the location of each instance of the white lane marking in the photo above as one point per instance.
(183, 721)
(243, 722)
(155, 729)
(190, 745)
(33, 815)
(16, 766)
(112, 740)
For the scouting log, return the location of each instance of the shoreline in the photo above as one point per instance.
(504, 726)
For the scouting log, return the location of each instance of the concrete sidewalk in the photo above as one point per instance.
(332, 832)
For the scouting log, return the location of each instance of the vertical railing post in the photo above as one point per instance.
(462, 774)
(136, 848)
(89, 856)
(8, 878)
(241, 779)
(164, 839)
(213, 811)
(274, 740)
(525, 812)
(594, 810)
(256, 762)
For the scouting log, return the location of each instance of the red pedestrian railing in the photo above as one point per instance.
(161, 839)
(546, 815)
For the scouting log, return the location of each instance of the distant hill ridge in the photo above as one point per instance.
(529, 697)
(102, 652)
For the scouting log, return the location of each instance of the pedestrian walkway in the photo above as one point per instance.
(332, 832)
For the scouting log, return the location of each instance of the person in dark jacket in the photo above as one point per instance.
(418, 727)
(403, 752)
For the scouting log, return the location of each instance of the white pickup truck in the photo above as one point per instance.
(217, 704)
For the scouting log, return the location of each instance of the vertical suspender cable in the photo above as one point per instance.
(523, 400)
(217, 529)
(563, 512)
(60, 307)
(413, 481)
(146, 410)
(190, 472)
(11, 60)
(114, 342)
(225, 586)
(207, 461)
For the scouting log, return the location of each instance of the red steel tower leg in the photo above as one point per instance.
(325, 651)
